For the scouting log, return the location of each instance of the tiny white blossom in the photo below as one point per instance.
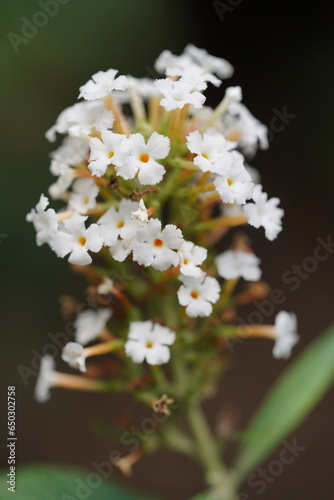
(232, 95)
(89, 324)
(156, 247)
(122, 248)
(198, 294)
(233, 182)
(179, 93)
(106, 286)
(265, 213)
(209, 149)
(233, 264)
(141, 215)
(245, 128)
(71, 152)
(84, 116)
(287, 336)
(193, 73)
(102, 84)
(191, 256)
(214, 64)
(254, 173)
(169, 60)
(114, 224)
(44, 221)
(73, 238)
(45, 379)
(142, 158)
(112, 150)
(58, 190)
(149, 341)
(83, 196)
(74, 354)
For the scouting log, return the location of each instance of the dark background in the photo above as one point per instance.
(283, 56)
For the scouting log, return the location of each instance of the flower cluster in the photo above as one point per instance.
(144, 202)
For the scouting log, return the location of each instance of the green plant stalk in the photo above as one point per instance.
(218, 477)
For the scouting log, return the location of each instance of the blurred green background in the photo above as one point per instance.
(282, 57)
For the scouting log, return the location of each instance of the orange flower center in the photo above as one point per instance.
(158, 243)
(149, 345)
(82, 240)
(144, 157)
(194, 294)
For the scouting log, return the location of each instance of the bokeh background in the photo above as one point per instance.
(282, 57)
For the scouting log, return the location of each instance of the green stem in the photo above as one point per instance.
(220, 479)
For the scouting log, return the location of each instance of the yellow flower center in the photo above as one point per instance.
(82, 240)
(120, 224)
(111, 154)
(149, 345)
(144, 157)
(229, 181)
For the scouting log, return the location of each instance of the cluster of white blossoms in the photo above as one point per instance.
(120, 180)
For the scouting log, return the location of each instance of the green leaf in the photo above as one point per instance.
(289, 401)
(42, 482)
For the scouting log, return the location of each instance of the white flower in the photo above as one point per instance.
(214, 64)
(89, 324)
(156, 247)
(122, 248)
(45, 379)
(233, 264)
(233, 182)
(144, 86)
(169, 60)
(44, 221)
(287, 336)
(254, 173)
(83, 196)
(198, 294)
(209, 149)
(193, 73)
(142, 158)
(74, 354)
(243, 127)
(82, 117)
(102, 84)
(141, 215)
(71, 152)
(112, 150)
(265, 213)
(73, 238)
(232, 95)
(58, 190)
(191, 256)
(114, 224)
(179, 93)
(106, 286)
(150, 341)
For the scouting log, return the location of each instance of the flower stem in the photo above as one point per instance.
(220, 479)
